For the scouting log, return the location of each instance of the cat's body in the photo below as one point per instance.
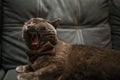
(52, 59)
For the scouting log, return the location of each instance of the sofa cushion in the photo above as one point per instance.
(15, 14)
(11, 75)
(115, 23)
(82, 22)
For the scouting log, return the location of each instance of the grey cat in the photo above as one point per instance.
(53, 59)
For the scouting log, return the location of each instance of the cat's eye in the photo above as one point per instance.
(31, 30)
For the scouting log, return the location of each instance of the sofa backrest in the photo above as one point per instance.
(82, 22)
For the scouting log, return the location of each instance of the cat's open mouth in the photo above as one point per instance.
(34, 39)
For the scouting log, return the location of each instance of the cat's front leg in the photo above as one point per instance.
(51, 72)
(24, 68)
(27, 76)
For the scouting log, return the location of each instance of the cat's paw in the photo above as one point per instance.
(19, 77)
(27, 76)
(21, 68)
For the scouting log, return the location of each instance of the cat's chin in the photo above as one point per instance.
(32, 47)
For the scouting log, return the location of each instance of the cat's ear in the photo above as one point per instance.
(55, 22)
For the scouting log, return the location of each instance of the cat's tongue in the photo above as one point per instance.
(35, 41)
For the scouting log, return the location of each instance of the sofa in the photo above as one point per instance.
(89, 22)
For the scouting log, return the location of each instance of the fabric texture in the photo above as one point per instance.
(115, 23)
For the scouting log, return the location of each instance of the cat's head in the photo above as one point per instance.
(38, 31)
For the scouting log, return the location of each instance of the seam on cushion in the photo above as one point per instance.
(83, 26)
(38, 8)
(78, 32)
(80, 36)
